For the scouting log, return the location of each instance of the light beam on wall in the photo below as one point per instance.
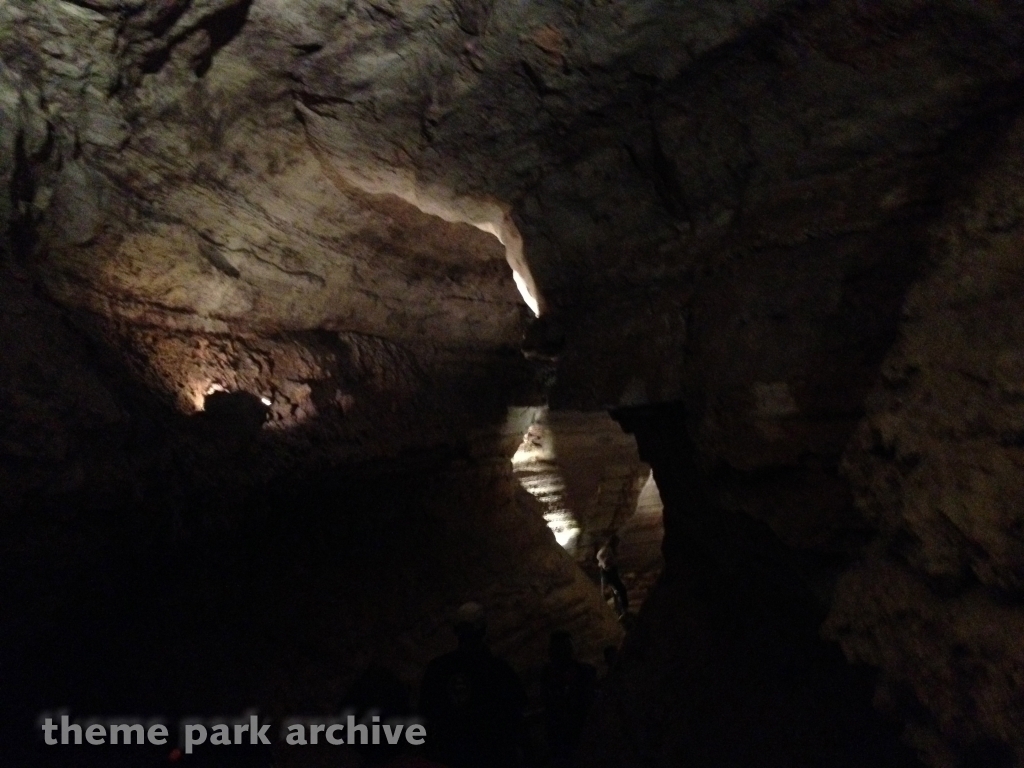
(535, 466)
(524, 291)
(508, 236)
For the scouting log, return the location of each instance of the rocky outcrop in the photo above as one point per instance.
(725, 666)
(179, 207)
(164, 564)
(936, 465)
(928, 482)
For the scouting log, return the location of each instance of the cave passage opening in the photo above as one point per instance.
(588, 480)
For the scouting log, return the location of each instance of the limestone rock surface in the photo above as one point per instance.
(247, 240)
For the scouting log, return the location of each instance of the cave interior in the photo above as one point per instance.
(321, 318)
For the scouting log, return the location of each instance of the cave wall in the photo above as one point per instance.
(161, 564)
(171, 231)
(936, 465)
(726, 666)
(905, 550)
(164, 189)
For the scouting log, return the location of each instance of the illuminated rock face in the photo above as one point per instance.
(586, 474)
(793, 231)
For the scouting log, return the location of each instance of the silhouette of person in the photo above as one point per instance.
(241, 412)
(607, 561)
(472, 701)
(989, 753)
(377, 691)
(569, 688)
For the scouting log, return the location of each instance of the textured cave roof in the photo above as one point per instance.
(707, 198)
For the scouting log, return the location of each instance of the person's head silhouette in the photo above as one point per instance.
(470, 625)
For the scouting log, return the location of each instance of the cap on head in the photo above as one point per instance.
(471, 614)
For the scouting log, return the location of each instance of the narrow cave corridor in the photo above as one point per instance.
(590, 483)
(365, 358)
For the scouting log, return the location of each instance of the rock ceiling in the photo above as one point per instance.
(257, 168)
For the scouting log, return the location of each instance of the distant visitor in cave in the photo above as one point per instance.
(607, 561)
(472, 701)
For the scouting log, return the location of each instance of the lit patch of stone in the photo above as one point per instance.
(538, 473)
(524, 291)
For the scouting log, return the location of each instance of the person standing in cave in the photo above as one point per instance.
(570, 687)
(472, 701)
(378, 691)
(607, 561)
